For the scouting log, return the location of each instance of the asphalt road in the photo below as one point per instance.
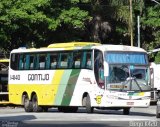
(139, 117)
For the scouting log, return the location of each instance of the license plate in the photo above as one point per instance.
(130, 103)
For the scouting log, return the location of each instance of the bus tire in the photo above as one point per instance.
(158, 95)
(126, 111)
(89, 109)
(157, 114)
(36, 107)
(28, 107)
(84, 101)
(158, 110)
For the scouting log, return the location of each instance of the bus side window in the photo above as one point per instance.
(53, 63)
(53, 60)
(69, 59)
(88, 63)
(89, 60)
(27, 62)
(15, 61)
(64, 63)
(37, 61)
(21, 62)
(62, 60)
(77, 59)
(32, 62)
(47, 61)
(42, 60)
(77, 63)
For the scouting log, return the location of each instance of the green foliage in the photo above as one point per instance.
(157, 58)
(74, 16)
(24, 22)
(151, 27)
(153, 17)
(41, 22)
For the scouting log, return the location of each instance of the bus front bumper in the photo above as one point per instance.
(128, 103)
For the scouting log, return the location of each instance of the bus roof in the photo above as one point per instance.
(84, 45)
(109, 47)
(72, 44)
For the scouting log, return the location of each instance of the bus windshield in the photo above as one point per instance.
(128, 71)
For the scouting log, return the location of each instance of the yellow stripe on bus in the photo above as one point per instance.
(72, 44)
(141, 94)
(56, 82)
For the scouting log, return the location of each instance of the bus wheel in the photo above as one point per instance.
(89, 109)
(158, 94)
(36, 107)
(28, 107)
(126, 111)
(158, 109)
(84, 101)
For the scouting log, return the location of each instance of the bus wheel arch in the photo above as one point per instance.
(28, 107)
(36, 107)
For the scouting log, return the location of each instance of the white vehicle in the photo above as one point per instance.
(71, 75)
(155, 77)
(155, 80)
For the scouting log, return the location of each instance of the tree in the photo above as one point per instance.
(151, 30)
(151, 27)
(41, 22)
(24, 22)
(111, 21)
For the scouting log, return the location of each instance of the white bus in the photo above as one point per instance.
(76, 74)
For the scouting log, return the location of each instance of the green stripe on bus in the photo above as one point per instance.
(70, 87)
(62, 87)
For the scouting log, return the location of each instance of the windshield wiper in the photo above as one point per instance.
(130, 80)
(137, 84)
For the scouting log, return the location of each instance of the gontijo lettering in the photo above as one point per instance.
(38, 77)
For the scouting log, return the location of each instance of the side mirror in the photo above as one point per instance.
(106, 69)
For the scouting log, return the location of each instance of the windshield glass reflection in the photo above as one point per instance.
(128, 77)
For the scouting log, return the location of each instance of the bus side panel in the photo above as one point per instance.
(43, 87)
(85, 84)
(58, 91)
(56, 79)
(64, 87)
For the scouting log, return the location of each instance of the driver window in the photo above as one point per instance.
(99, 68)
